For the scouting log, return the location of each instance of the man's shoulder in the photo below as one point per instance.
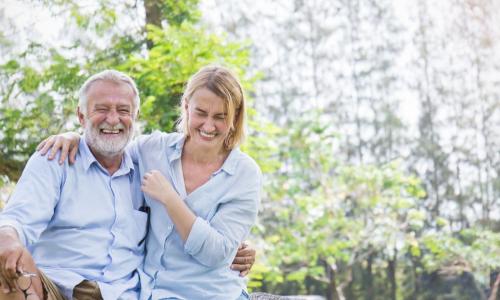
(39, 161)
(41, 171)
(41, 164)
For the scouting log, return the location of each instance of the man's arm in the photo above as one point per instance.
(26, 215)
(11, 251)
(31, 205)
(16, 262)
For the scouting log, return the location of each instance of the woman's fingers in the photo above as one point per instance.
(45, 145)
(56, 146)
(72, 155)
(64, 153)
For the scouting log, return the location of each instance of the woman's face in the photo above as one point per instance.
(207, 124)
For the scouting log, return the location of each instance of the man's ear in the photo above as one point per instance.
(81, 116)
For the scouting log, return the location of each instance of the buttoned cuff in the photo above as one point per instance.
(16, 226)
(197, 236)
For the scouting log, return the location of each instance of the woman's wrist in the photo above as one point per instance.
(164, 200)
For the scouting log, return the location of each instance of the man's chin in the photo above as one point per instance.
(109, 152)
(110, 147)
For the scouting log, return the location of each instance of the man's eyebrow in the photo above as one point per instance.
(101, 106)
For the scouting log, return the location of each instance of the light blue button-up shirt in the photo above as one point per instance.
(226, 208)
(81, 223)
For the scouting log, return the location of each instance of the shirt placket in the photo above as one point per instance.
(117, 207)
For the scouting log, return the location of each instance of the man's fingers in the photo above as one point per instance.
(20, 262)
(244, 273)
(239, 267)
(244, 260)
(243, 268)
(246, 252)
(245, 249)
(241, 260)
(3, 285)
(11, 267)
(7, 285)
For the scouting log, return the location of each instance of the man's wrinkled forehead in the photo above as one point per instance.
(103, 90)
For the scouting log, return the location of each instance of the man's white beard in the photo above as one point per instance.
(107, 147)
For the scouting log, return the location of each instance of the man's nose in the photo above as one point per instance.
(113, 117)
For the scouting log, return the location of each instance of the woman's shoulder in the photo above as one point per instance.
(158, 139)
(245, 163)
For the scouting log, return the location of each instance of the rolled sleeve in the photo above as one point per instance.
(16, 226)
(32, 203)
(197, 236)
(208, 246)
(215, 242)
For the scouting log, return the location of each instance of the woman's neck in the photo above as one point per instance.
(203, 155)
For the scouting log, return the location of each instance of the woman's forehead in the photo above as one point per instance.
(206, 99)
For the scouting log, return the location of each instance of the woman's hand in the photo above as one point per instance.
(66, 142)
(156, 186)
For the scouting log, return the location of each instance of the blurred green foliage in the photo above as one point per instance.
(326, 227)
(336, 229)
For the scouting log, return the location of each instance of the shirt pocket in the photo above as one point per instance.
(141, 225)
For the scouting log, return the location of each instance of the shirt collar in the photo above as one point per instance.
(88, 158)
(176, 145)
(231, 161)
(86, 155)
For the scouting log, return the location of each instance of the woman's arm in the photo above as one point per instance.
(209, 243)
(66, 142)
(155, 185)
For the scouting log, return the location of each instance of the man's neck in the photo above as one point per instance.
(110, 163)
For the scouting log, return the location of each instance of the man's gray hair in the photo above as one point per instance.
(107, 75)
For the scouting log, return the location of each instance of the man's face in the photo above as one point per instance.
(109, 121)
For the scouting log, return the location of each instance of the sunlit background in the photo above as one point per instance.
(376, 124)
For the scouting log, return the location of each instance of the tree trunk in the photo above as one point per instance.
(391, 275)
(331, 291)
(495, 286)
(153, 15)
(416, 282)
(368, 278)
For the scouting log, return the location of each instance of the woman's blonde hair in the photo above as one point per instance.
(223, 83)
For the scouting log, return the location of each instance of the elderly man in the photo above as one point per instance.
(77, 231)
